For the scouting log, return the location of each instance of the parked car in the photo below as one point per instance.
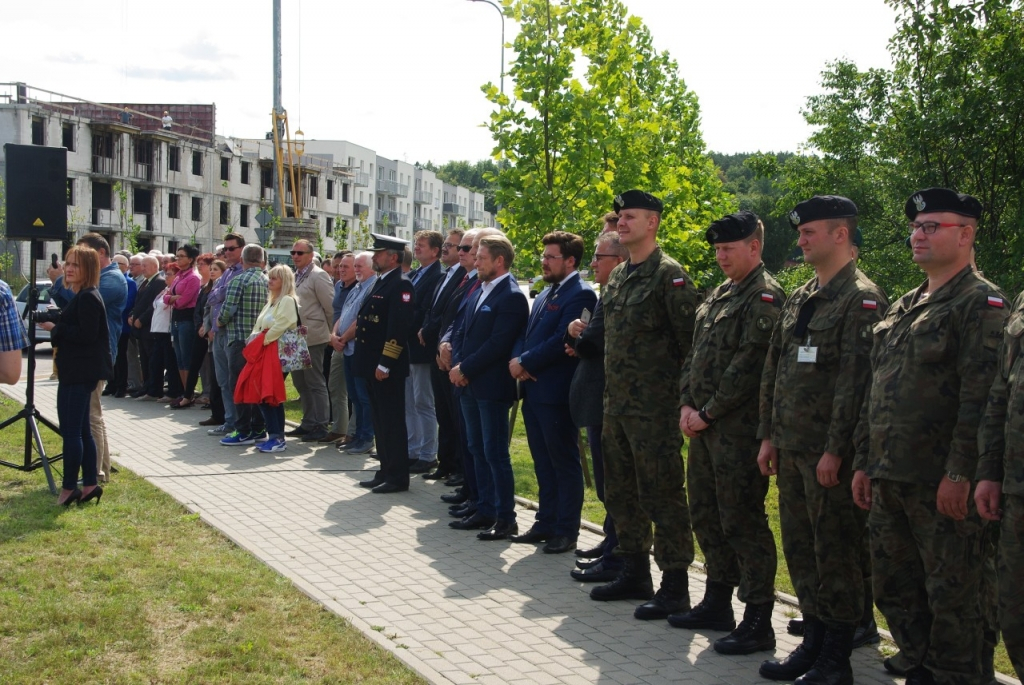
(42, 306)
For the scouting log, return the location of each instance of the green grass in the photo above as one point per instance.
(138, 589)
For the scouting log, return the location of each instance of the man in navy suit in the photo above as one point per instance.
(494, 317)
(545, 372)
(420, 419)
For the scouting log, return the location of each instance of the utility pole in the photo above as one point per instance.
(278, 109)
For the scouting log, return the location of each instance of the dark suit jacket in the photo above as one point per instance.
(432, 330)
(455, 307)
(81, 340)
(423, 291)
(542, 345)
(586, 392)
(143, 309)
(382, 327)
(482, 343)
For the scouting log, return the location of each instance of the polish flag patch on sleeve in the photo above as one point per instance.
(678, 282)
(995, 301)
(869, 304)
(767, 297)
(406, 297)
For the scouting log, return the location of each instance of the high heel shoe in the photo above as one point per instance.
(75, 496)
(96, 493)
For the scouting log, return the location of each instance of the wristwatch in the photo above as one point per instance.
(955, 477)
(705, 418)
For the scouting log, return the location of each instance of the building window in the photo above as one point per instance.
(38, 131)
(330, 190)
(225, 169)
(174, 206)
(330, 224)
(197, 163)
(197, 209)
(68, 136)
(71, 192)
(314, 184)
(172, 246)
(344, 192)
(225, 209)
(243, 216)
(174, 158)
(245, 173)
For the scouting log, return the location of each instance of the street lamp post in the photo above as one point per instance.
(500, 12)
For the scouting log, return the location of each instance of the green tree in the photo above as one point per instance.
(130, 230)
(596, 110)
(949, 113)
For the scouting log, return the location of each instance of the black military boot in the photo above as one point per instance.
(802, 658)
(672, 597)
(832, 667)
(714, 612)
(867, 630)
(754, 633)
(920, 676)
(634, 582)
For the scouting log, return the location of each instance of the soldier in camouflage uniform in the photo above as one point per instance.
(720, 382)
(1001, 473)
(814, 382)
(648, 308)
(933, 363)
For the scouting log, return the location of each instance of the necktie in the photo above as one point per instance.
(463, 281)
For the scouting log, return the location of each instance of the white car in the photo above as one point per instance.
(44, 304)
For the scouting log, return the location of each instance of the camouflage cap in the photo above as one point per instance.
(731, 228)
(941, 200)
(822, 207)
(637, 199)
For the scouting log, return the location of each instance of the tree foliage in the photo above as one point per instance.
(596, 110)
(949, 113)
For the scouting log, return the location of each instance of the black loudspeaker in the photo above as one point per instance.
(37, 187)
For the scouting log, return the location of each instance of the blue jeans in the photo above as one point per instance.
(487, 433)
(222, 369)
(359, 395)
(79, 447)
(274, 417)
(183, 337)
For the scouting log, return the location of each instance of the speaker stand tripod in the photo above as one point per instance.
(29, 413)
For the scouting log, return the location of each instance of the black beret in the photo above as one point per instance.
(822, 207)
(858, 238)
(941, 200)
(731, 228)
(637, 199)
(387, 242)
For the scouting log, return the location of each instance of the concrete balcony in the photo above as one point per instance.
(361, 178)
(423, 197)
(386, 187)
(391, 216)
(358, 210)
(454, 208)
(476, 215)
(419, 224)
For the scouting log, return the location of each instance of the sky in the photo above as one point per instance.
(403, 77)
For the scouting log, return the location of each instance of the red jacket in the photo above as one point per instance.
(261, 380)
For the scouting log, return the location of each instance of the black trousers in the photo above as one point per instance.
(449, 446)
(121, 364)
(387, 406)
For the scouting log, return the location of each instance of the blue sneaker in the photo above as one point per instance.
(236, 438)
(272, 445)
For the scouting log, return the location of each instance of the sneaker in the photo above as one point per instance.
(273, 445)
(258, 437)
(237, 438)
(219, 430)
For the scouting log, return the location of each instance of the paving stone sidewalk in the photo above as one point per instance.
(455, 609)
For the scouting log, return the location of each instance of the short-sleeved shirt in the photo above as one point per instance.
(12, 331)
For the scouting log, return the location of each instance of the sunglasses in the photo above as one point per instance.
(232, 249)
(465, 248)
(297, 252)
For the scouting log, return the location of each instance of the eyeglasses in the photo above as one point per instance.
(231, 249)
(295, 252)
(465, 248)
(929, 227)
(547, 257)
(598, 255)
(449, 246)
(181, 256)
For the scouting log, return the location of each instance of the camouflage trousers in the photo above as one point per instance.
(1011, 589)
(643, 472)
(726, 492)
(927, 572)
(822, 538)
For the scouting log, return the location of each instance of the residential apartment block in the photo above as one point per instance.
(188, 184)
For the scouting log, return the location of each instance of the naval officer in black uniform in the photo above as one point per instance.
(383, 326)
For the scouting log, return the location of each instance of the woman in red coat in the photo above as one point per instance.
(279, 315)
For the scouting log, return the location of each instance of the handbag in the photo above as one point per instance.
(292, 347)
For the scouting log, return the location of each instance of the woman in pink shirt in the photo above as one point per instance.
(182, 298)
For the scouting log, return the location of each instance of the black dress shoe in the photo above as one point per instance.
(587, 563)
(107, 392)
(388, 488)
(475, 522)
(297, 432)
(372, 483)
(499, 531)
(595, 574)
(314, 436)
(454, 498)
(120, 394)
(559, 544)
(591, 552)
(463, 512)
(421, 465)
(436, 474)
(532, 536)
(455, 480)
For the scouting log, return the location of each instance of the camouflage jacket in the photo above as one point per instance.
(722, 373)
(814, 405)
(1001, 438)
(932, 365)
(648, 319)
